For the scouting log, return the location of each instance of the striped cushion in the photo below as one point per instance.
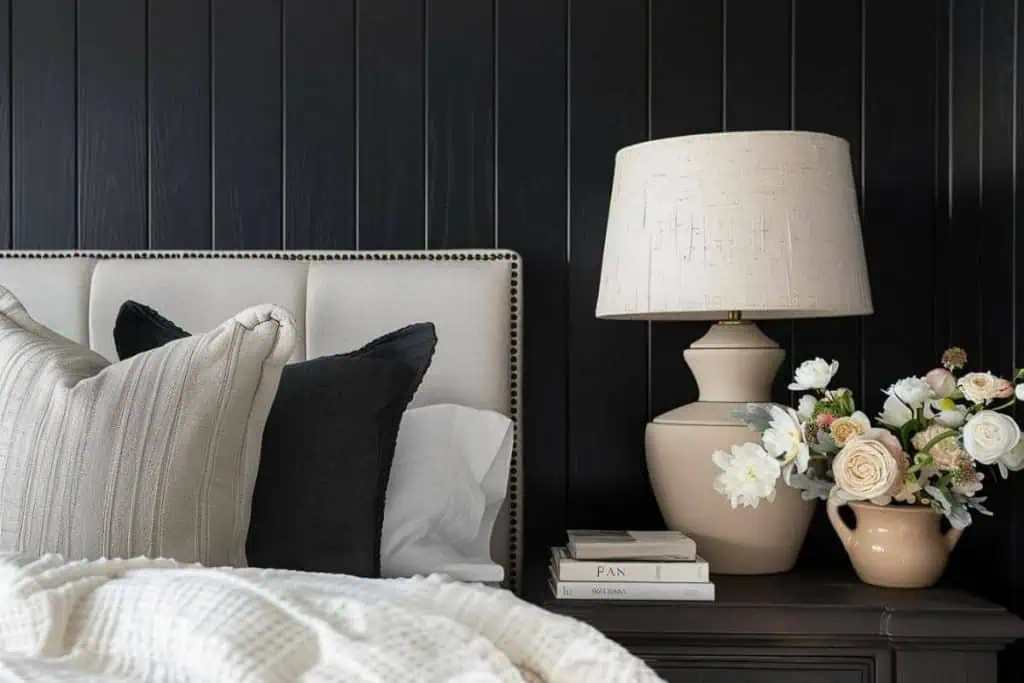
(156, 455)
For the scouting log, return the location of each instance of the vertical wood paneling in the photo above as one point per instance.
(608, 485)
(320, 108)
(180, 204)
(391, 123)
(5, 124)
(685, 98)
(247, 133)
(531, 167)
(460, 124)
(826, 98)
(899, 199)
(758, 97)
(964, 237)
(1015, 526)
(43, 111)
(112, 197)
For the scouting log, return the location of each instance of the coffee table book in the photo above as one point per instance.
(668, 546)
(625, 590)
(565, 568)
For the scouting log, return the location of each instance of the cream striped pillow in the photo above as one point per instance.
(156, 455)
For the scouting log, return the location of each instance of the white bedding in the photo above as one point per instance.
(156, 620)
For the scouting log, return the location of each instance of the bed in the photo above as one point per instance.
(321, 627)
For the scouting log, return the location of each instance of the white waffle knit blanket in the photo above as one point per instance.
(155, 620)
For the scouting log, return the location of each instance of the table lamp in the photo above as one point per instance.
(732, 228)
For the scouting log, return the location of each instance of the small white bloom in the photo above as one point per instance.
(913, 391)
(748, 475)
(784, 440)
(979, 387)
(1019, 391)
(813, 374)
(895, 413)
(942, 382)
(946, 412)
(805, 409)
(988, 436)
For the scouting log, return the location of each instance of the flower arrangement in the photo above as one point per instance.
(925, 448)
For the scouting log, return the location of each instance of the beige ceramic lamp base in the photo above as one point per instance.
(734, 364)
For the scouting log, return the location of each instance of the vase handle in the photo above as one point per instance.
(844, 532)
(951, 537)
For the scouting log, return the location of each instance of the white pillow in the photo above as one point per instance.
(448, 482)
(155, 455)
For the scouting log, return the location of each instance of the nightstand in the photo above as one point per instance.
(793, 628)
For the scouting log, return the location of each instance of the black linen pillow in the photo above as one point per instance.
(327, 448)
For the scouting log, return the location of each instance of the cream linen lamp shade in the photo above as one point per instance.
(759, 222)
(731, 227)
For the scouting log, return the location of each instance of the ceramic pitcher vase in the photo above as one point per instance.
(896, 546)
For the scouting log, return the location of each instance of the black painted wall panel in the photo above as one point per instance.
(531, 187)
(179, 118)
(320, 142)
(460, 124)
(112, 198)
(390, 111)
(43, 104)
(247, 124)
(411, 123)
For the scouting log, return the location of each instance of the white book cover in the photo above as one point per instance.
(594, 590)
(593, 544)
(568, 569)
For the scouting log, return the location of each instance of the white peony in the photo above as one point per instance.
(942, 382)
(805, 409)
(748, 475)
(1019, 392)
(895, 413)
(979, 387)
(784, 440)
(989, 436)
(813, 374)
(913, 391)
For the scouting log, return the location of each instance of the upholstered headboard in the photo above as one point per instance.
(340, 300)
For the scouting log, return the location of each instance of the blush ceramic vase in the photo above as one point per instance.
(895, 546)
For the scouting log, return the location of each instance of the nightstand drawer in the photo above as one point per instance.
(738, 667)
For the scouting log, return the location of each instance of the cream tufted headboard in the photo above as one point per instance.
(340, 299)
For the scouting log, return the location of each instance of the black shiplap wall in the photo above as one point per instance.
(476, 123)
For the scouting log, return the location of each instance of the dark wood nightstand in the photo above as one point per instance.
(795, 628)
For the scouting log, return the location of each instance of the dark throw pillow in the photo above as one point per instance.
(327, 449)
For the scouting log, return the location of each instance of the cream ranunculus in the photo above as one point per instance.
(942, 382)
(867, 469)
(845, 428)
(813, 374)
(978, 387)
(946, 453)
(988, 436)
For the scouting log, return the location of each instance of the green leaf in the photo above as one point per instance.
(754, 416)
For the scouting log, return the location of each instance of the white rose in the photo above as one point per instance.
(978, 387)
(813, 374)
(748, 475)
(913, 391)
(866, 469)
(989, 435)
(805, 409)
(895, 413)
(942, 382)
(1019, 392)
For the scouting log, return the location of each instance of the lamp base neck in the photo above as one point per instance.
(734, 363)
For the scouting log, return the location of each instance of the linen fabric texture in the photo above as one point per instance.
(328, 446)
(153, 456)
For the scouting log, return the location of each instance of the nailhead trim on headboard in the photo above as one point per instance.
(513, 580)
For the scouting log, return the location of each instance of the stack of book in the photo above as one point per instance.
(630, 565)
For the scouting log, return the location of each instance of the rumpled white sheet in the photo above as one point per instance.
(156, 620)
